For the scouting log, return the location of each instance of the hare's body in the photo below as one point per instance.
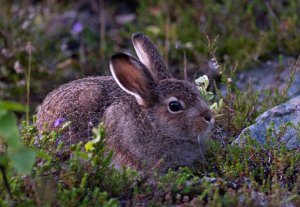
(151, 119)
(82, 102)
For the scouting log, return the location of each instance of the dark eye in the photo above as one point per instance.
(175, 106)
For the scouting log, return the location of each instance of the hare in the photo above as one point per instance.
(150, 117)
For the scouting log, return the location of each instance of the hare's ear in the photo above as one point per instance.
(133, 77)
(150, 56)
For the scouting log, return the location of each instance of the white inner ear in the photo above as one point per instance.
(137, 96)
(142, 55)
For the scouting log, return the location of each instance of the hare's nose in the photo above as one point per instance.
(208, 116)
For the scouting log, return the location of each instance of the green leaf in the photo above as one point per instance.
(89, 146)
(9, 130)
(2, 111)
(209, 96)
(12, 106)
(83, 155)
(3, 161)
(202, 81)
(43, 155)
(220, 103)
(23, 159)
(66, 125)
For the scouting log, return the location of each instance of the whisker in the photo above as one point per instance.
(200, 142)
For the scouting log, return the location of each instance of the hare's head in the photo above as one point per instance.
(174, 105)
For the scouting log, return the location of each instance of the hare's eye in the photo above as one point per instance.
(175, 106)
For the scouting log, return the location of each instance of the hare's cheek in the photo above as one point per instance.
(199, 125)
(164, 116)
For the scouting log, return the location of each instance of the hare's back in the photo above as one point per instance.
(82, 102)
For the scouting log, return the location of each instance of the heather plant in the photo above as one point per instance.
(240, 108)
(85, 178)
(229, 176)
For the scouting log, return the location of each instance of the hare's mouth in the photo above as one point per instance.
(201, 137)
(195, 140)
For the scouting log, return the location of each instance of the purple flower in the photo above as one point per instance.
(77, 28)
(18, 67)
(59, 122)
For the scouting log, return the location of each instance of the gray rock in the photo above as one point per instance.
(274, 75)
(279, 115)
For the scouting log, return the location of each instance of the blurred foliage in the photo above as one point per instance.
(65, 36)
(248, 31)
(12, 151)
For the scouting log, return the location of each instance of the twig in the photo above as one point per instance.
(294, 68)
(167, 34)
(102, 28)
(35, 190)
(5, 181)
(248, 117)
(27, 77)
(184, 65)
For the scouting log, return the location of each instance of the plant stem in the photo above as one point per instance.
(184, 65)
(5, 181)
(28, 48)
(102, 29)
(167, 35)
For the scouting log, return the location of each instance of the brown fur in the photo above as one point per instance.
(82, 102)
(140, 128)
